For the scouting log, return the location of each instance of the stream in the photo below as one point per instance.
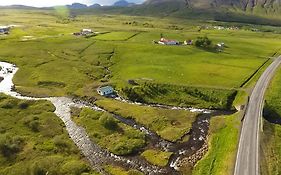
(97, 156)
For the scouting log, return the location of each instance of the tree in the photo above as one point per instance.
(203, 42)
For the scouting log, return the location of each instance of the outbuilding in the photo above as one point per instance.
(4, 29)
(105, 91)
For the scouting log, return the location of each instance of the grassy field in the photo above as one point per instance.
(156, 157)
(169, 124)
(224, 135)
(33, 141)
(110, 134)
(55, 63)
(271, 137)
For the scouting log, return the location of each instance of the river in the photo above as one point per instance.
(97, 156)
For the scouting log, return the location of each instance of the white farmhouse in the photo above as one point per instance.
(86, 31)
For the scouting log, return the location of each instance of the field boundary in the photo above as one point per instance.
(256, 71)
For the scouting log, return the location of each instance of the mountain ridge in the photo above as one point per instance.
(253, 6)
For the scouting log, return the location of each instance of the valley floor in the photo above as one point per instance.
(157, 126)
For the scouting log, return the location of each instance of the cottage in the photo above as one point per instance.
(86, 31)
(164, 41)
(105, 91)
(4, 29)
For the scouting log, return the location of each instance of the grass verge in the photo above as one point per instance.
(224, 136)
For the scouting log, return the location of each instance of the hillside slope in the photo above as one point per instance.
(269, 7)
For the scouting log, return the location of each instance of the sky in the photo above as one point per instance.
(47, 3)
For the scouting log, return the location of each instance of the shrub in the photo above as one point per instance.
(10, 146)
(23, 105)
(32, 123)
(203, 42)
(108, 122)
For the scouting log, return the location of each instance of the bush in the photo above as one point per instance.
(75, 167)
(10, 146)
(32, 123)
(108, 122)
(203, 42)
(23, 105)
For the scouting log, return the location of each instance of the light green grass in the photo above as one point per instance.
(220, 159)
(58, 57)
(115, 36)
(169, 124)
(156, 157)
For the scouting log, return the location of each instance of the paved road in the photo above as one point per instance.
(247, 162)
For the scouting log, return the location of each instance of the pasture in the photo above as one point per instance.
(55, 63)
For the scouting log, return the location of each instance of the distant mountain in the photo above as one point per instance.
(261, 7)
(77, 6)
(18, 7)
(95, 6)
(123, 3)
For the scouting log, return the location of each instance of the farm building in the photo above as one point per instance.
(4, 29)
(188, 42)
(105, 91)
(86, 31)
(220, 46)
(168, 42)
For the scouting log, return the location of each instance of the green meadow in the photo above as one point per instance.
(53, 62)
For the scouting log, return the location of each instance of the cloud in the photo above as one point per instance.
(45, 3)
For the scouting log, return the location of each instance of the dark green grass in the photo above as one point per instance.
(33, 141)
(180, 95)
